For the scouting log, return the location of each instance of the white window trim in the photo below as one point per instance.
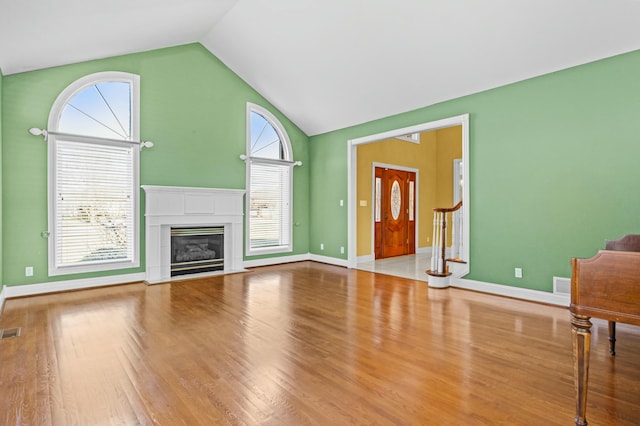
(288, 160)
(54, 118)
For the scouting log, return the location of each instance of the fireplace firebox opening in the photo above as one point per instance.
(195, 250)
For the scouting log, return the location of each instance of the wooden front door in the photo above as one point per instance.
(394, 214)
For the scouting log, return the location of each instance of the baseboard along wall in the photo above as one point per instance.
(2, 297)
(560, 296)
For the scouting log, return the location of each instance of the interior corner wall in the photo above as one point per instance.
(192, 107)
(552, 163)
(449, 148)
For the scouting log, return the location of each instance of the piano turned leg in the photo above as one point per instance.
(581, 333)
(612, 337)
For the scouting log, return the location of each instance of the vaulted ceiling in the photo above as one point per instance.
(329, 64)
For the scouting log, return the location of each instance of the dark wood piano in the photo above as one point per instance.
(606, 286)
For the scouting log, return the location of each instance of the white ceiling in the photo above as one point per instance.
(329, 64)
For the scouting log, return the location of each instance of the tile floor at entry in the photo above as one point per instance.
(411, 266)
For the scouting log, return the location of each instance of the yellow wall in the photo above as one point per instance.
(433, 158)
(449, 148)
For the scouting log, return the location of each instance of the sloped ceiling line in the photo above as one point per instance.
(331, 64)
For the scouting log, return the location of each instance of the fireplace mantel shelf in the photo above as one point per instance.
(174, 206)
(158, 188)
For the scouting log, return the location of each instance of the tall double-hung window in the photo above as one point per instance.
(94, 175)
(269, 183)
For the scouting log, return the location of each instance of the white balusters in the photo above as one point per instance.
(434, 245)
(439, 274)
(439, 240)
(439, 246)
(456, 234)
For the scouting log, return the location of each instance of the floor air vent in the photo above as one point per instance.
(9, 332)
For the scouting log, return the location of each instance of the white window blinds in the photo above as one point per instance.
(94, 202)
(93, 176)
(269, 182)
(269, 205)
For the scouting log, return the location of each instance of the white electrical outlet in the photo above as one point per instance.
(321, 246)
(28, 271)
(342, 249)
(518, 272)
(341, 203)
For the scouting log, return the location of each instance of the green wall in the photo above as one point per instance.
(192, 108)
(553, 170)
(553, 160)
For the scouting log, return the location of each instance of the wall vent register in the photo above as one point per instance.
(9, 332)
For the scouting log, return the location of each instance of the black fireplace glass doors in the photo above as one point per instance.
(196, 250)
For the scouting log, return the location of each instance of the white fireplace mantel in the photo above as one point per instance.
(174, 206)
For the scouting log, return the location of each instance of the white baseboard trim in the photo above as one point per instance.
(8, 292)
(4, 287)
(329, 260)
(515, 292)
(275, 260)
(365, 258)
(424, 250)
(68, 285)
(295, 258)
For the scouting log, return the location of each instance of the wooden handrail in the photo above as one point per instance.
(449, 209)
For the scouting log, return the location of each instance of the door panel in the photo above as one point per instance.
(394, 222)
(395, 213)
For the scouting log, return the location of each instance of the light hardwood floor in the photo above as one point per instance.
(303, 343)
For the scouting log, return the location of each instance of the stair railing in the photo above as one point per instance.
(439, 259)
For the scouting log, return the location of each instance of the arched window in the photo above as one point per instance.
(269, 183)
(94, 175)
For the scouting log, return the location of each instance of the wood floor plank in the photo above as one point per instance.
(303, 344)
